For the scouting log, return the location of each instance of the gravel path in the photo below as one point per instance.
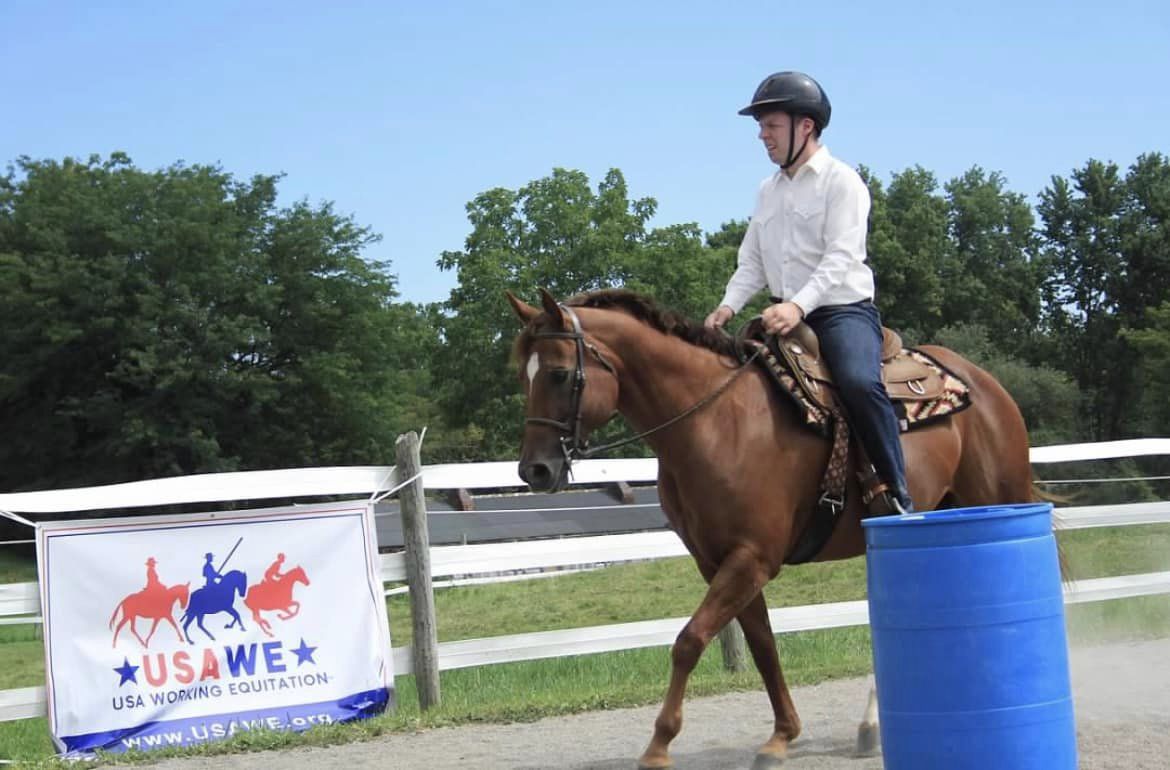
(1122, 702)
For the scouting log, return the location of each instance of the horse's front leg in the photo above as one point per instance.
(236, 619)
(153, 628)
(290, 611)
(757, 631)
(737, 580)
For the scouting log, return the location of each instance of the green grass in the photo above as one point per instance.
(625, 593)
(17, 566)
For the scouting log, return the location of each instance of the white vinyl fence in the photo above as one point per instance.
(20, 603)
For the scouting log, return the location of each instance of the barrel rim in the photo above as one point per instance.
(956, 515)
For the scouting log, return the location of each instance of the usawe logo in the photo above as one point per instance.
(227, 667)
(158, 602)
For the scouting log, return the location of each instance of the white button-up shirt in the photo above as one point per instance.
(806, 239)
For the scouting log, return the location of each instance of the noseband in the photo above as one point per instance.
(572, 445)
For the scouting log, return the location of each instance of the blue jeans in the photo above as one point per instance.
(851, 344)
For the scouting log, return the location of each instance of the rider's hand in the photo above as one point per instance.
(782, 318)
(718, 317)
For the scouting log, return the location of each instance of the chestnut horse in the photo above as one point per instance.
(737, 477)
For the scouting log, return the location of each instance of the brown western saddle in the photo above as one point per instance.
(907, 377)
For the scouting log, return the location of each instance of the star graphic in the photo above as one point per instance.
(127, 672)
(304, 653)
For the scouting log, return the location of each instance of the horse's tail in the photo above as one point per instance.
(1041, 496)
(115, 615)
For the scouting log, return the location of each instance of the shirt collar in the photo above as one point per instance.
(816, 165)
(820, 160)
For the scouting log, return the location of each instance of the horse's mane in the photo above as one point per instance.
(657, 317)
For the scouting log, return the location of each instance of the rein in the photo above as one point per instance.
(572, 445)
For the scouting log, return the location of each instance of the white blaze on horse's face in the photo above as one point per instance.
(533, 368)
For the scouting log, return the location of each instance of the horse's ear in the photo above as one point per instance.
(522, 309)
(552, 307)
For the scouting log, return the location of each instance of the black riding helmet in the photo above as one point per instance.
(795, 93)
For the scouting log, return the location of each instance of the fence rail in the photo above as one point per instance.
(464, 560)
(20, 602)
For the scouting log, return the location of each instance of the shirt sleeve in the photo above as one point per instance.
(846, 223)
(749, 276)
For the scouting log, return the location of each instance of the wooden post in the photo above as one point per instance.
(622, 491)
(415, 536)
(734, 648)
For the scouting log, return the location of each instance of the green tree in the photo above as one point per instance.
(1082, 243)
(1152, 345)
(908, 248)
(993, 277)
(1047, 397)
(679, 272)
(177, 321)
(555, 232)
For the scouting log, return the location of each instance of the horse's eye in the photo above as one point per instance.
(559, 376)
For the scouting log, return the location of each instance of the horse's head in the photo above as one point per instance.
(298, 575)
(571, 387)
(184, 593)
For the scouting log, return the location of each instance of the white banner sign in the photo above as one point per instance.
(179, 630)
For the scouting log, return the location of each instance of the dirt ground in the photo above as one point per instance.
(1121, 696)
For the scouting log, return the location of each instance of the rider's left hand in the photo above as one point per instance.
(782, 317)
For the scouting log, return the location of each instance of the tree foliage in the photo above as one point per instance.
(177, 321)
(1106, 239)
(555, 232)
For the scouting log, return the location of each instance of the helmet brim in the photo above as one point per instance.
(755, 109)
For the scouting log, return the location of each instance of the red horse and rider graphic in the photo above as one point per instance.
(156, 602)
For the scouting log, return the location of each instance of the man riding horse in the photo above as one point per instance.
(807, 243)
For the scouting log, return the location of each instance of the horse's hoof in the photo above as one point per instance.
(657, 763)
(767, 762)
(869, 740)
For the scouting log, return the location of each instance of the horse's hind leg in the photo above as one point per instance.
(738, 579)
(757, 631)
(134, 631)
(868, 735)
(203, 628)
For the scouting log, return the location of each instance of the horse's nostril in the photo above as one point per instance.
(536, 475)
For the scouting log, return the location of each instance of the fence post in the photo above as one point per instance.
(731, 642)
(416, 538)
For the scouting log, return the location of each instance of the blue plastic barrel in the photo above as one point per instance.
(969, 645)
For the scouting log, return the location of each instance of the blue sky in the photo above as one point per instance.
(401, 112)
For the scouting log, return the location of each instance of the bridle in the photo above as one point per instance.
(573, 446)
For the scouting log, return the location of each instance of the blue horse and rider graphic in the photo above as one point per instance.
(217, 595)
